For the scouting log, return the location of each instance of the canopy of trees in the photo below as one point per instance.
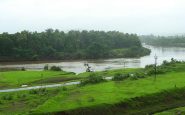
(177, 41)
(55, 44)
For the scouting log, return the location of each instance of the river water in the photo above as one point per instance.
(163, 53)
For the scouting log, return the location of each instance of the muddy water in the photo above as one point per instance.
(163, 53)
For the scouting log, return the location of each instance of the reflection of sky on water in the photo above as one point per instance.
(163, 53)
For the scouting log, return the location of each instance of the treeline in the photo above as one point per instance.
(55, 44)
(174, 41)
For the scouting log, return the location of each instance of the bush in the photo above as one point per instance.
(21, 95)
(55, 68)
(92, 78)
(7, 97)
(158, 71)
(119, 77)
(140, 75)
(33, 91)
(46, 67)
(38, 91)
(23, 69)
(133, 77)
(64, 88)
(149, 66)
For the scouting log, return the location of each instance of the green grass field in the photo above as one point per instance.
(111, 92)
(176, 111)
(109, 73)
(17, 78)
(76, 97)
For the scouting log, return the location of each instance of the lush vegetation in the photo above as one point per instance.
(55, 44)
(92, 79)
(55, 68)
(134, 89)
(18, 78)
(176, 111)
(174, 41)
(109, 93)
(23, 101)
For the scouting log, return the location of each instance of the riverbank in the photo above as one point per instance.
(77, 66)
(108, 97)
(115, 53)
(137, 95)
(15, 79)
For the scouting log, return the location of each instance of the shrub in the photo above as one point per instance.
(149, 66)
(33, 91)
(64, 88)
(56, 90)
(134, 77)
(23, 69)
(159, 70)
(92, 78)
(38, 91)
(55, 68)
(42, 90)
(46, 67)
(140, 75)
(119, 77)
(7, 97)
(21, 95)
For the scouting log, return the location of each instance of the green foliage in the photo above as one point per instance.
(137, 52)
(7, 97)
(64, 88)
(23, 69)
(133, 77)
(41, 91)
(119, 77)
(172, 41)
(55, 68)
(55, 44)
(111, 93)
(166, 66)
(96, 50)
(107, 93)
(159, 70)
(46, 67)
(92, 79)
(21, 96)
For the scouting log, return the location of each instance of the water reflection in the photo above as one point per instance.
(163, 53)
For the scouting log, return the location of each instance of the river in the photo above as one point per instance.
(163, 53)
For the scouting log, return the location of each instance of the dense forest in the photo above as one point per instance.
(54, 44)
(176, 41)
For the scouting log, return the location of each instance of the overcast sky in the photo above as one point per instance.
(161, 17)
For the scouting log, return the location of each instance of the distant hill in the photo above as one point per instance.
(170, 41)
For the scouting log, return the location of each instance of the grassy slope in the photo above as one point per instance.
(109, 73)
(111, 92)
(180, 110)
(23, 101)
(16, 78)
